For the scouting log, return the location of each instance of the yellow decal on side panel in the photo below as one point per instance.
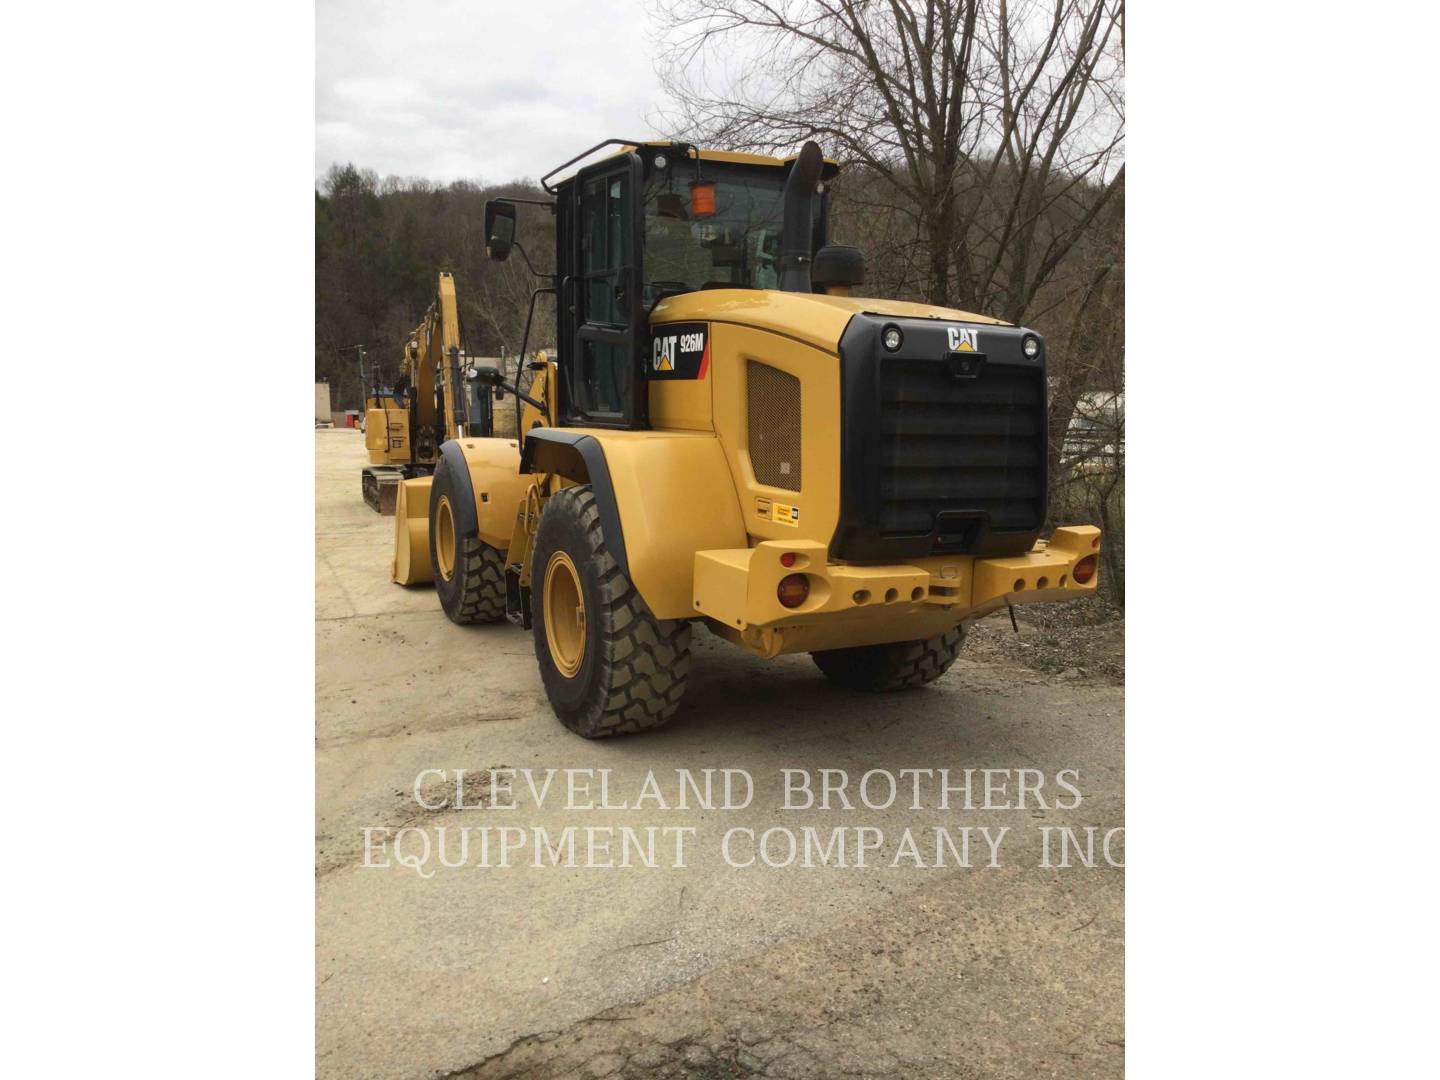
(785, 515)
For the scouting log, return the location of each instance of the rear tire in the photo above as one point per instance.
(612, 667)
(898, 665)
(469, 573)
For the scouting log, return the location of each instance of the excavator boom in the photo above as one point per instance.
(403, 437)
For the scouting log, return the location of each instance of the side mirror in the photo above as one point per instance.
(499, 229)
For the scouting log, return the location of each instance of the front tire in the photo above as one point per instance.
(609, 666)
(898, 665)
(469, 573)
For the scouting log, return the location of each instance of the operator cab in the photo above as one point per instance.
(658, 220)
(721, 230)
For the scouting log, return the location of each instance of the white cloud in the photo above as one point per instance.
(480, 90)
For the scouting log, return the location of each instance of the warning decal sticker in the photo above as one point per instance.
(785, 515)
(680, 351)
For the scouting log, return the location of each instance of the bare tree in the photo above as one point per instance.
(995, 127)
(1087, 398)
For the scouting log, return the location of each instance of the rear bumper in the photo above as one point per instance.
(850, 604)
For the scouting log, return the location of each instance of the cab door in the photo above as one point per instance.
(606, 386)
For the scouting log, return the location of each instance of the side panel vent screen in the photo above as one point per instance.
(773, 403)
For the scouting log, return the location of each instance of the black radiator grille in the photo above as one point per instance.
(963, 445)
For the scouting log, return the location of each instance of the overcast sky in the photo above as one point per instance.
(487, 90)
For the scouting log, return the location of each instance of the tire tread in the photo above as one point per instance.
(645, 661)
(899, 665)
(482, 594)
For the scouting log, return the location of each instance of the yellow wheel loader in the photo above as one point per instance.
(727, 437)
(429, 404)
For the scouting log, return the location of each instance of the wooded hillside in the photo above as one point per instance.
(379, 247)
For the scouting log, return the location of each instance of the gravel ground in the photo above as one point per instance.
(704, 970)
(1081, 640)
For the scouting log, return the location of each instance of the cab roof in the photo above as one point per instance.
(735, 157)
(829, 167)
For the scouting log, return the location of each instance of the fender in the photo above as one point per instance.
(452, 462)
(589, 469)
(662, 496)
(486, 471)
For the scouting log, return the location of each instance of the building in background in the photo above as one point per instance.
(1095, 441)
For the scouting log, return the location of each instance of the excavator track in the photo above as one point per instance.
(380, 484)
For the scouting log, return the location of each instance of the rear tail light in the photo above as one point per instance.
(788, 559)
(1084, 570)
(793, 590)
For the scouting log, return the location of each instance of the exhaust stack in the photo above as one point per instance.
(795, 232)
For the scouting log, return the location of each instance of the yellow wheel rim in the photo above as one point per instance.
(445, 538)
(564, 614)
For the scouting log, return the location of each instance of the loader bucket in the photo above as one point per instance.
(412, 533)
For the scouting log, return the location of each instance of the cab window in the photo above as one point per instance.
(605, 367)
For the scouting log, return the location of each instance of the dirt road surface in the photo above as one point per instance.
(710, 970)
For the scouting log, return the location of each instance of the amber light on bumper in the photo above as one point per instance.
(1084, 569)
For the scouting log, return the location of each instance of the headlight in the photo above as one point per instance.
(1031, 345)
(891, 338)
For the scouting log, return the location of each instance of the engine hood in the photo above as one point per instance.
(813, 318)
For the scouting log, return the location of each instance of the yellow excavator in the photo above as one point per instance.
(430, 403)
(730, 438)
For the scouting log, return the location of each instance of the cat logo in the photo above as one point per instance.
(962, 340)
(680, 351)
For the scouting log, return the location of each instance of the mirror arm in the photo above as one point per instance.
(549, 204)
(553, 287)
(528, 264)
